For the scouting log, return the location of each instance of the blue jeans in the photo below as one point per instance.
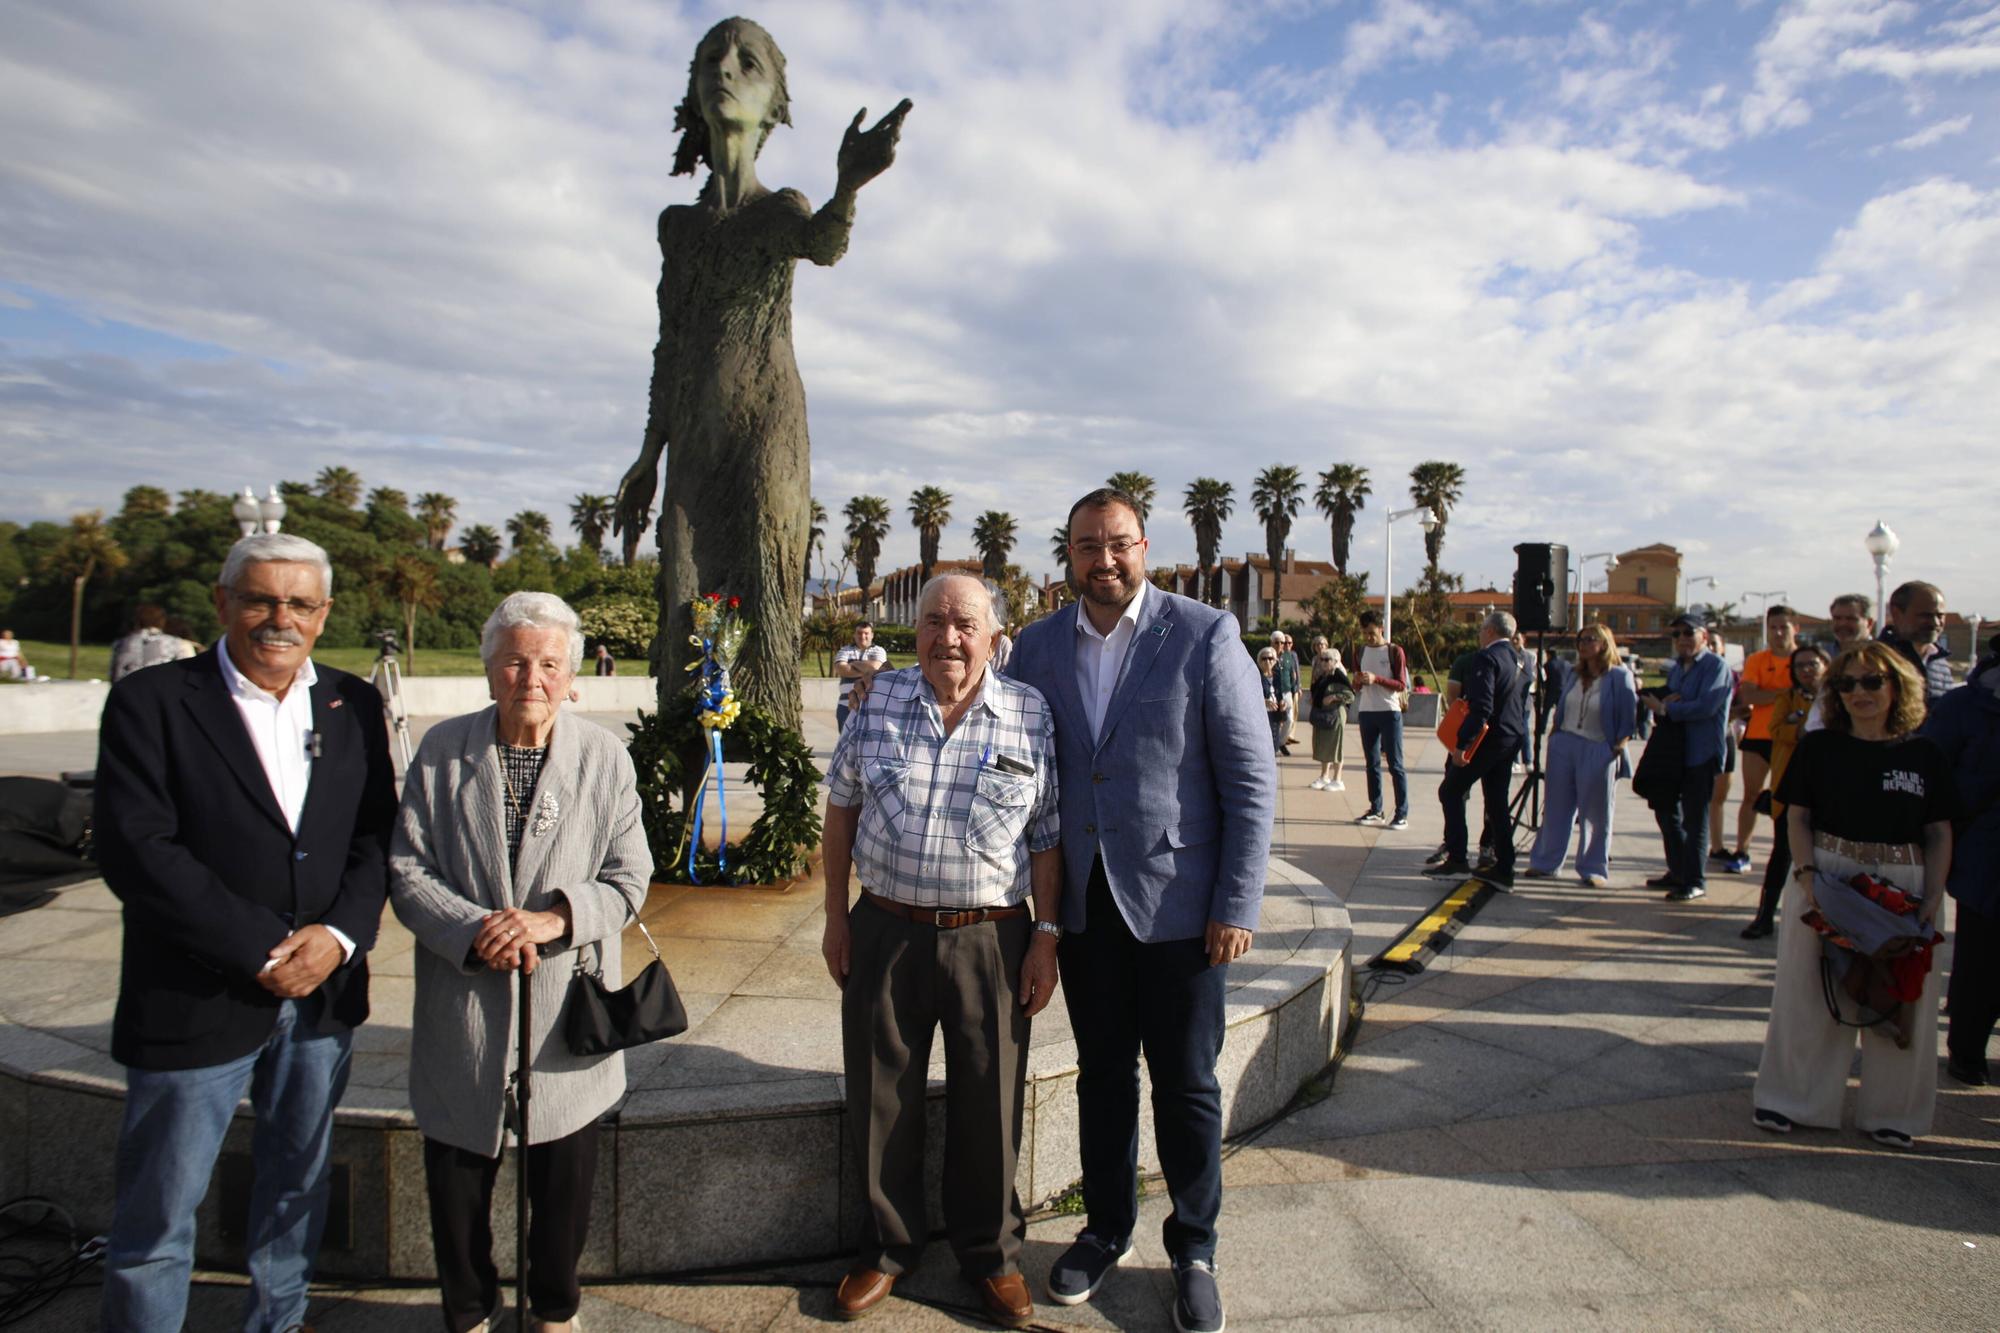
(1383, 732)
(175, 1120)
(840, 712)
(1581, 787)
(1684, 825)
(1126, 997)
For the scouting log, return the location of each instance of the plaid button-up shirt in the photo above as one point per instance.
(944, 822)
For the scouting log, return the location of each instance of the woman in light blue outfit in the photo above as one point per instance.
(1593, 720)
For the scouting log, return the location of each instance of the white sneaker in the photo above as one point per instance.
(1372, 817)
(1317, 784)
(1335, 785)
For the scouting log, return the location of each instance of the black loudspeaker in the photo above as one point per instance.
(1541, 586)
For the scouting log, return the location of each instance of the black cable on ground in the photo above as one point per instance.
(29, 1279)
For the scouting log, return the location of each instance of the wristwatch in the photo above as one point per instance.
(1048, 928)
(1802, 870)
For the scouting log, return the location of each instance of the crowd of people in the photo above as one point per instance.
(1097, 819)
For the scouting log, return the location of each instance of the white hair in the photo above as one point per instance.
(264, 548)
(936, 585)
(532, 610)
(1501, 623)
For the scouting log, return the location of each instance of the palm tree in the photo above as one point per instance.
(436, 511)
(1208, 504)
(480, 545)
(816, 534)
(389, 498)
(530, 527)
(1343, 493)
(341, 485)
(867, 525)
(413, 582)
(1437, 486)
(85, 549)
(993, 535)
(146, 502)
(930, 510)
(1137, 485)
(1276, 499)
(590, 515)
(1059, 548)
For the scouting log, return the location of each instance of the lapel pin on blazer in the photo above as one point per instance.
(335, 703)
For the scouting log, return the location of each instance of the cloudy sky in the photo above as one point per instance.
(1724, 274)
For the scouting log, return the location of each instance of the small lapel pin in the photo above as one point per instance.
(335, 703)
(1159, 631)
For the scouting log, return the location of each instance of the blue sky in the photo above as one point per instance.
(1720, 274)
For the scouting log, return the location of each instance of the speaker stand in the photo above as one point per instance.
(1525, 810)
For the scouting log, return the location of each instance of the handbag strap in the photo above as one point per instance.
(598, 945)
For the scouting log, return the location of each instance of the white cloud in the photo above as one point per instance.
(1934, 133)
(1799, 49)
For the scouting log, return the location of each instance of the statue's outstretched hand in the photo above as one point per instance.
(866, 154)
(635, 496)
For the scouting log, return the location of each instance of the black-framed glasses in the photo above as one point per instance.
(1683, 633)
(1871, 682)
(1091, 550)
(267, 607)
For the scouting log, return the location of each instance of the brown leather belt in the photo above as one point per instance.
(925, 916)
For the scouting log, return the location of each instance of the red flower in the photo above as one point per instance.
(715, 597)
(735, 602)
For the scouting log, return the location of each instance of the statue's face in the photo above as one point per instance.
(736, 79)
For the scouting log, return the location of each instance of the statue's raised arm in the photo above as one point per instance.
(726, 406)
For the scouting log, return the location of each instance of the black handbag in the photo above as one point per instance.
(598, 1020)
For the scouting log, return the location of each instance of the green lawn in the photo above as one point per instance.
(93, 661)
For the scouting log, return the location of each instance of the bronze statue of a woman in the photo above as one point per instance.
(726, 402)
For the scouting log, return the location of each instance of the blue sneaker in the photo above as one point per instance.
(1197, 1300)
(1738, 863)
(1083, 1267)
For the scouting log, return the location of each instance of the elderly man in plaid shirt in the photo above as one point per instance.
(942, 794)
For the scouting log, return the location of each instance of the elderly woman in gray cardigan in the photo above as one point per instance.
(518, 847)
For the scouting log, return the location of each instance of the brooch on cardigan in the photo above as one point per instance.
(546, 813)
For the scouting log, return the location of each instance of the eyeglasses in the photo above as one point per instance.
(266, 607)
(1871, 682)
(1684, 633)
(1091, 550)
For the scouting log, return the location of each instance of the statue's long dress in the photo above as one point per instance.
(728, 403)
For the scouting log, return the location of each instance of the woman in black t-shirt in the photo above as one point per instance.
(1864, 795)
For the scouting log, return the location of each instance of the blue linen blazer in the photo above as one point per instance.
(1178, 792)
(1618, 705)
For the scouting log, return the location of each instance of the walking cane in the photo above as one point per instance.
(522, 1077)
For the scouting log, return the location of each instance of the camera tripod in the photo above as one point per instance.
(387, 678)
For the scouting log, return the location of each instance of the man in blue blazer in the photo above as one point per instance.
(1168, 789)
(1496, 702)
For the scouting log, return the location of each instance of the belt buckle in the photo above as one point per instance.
(954, 920)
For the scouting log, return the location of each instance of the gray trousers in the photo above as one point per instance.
(905, 981)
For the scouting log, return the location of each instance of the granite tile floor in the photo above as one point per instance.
(1548, 1128)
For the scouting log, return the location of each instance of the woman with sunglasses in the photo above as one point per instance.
(1866, 796)
(1789, 712)
(1593, 719)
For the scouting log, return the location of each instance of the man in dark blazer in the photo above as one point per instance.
(1496, 699)
(1167, 792)
(243, 809)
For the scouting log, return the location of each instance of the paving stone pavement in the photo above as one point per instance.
(1548, 1128)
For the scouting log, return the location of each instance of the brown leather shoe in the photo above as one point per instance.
(1007, 1300)
(861, 1291)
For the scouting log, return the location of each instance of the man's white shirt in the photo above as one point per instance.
(280, 731)
(1100, 658)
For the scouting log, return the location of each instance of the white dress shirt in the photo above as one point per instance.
(281, 733)
(1100, 658)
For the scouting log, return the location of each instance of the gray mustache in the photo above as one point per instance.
(273, 637)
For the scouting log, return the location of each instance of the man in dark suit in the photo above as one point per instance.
(1167, 792)
(1496, 699)
(244, 803)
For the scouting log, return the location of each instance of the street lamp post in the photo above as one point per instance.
(1687, 596)
(1581, 561)
(1763, 605)
(252, 514)
(1430, 524)
(1881, 544)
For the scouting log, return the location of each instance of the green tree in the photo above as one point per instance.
(1437, 486)
(389, 500)
(146, 502)
(1208, 504)
(993, 537)
(86, 549)
(867, 526)
(1276, 498)
(1137, 485)
(930, 511)
(412, 581)
(816, 535)
(436, 511)
(1335, 610)
(529, 530)
(591, 515)
(339, 485)
(480, 545)
(1343, 493)
(1059, 548)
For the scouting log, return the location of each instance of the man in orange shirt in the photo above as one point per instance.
(1766, 675)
